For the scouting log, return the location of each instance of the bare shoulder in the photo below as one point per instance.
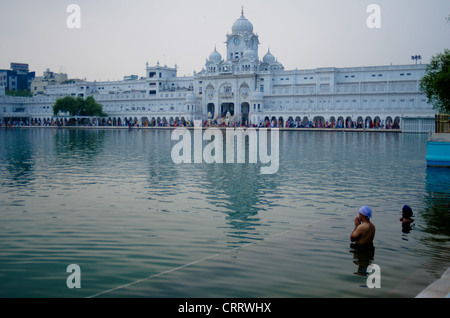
(369, 227)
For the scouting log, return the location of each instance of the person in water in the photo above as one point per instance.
(364, 231)
(362, 240)
(406, 218)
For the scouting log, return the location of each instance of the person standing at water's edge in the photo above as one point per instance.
(364, 231)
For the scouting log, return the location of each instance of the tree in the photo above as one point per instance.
(66, 104)
(20, 93)
(92, 108)
(78, 106)
(436, 82)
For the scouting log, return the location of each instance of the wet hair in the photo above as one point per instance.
(407, 211)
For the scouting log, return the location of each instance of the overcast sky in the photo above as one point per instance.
(118, 37)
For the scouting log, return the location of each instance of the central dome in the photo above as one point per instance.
(242, 25)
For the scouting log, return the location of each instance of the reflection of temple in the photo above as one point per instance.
(251, 90)
(239, 190)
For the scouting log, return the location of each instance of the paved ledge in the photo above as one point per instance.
(438, 289)
(439, 137)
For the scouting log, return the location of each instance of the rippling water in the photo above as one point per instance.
(138, 225)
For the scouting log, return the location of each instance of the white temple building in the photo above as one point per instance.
(240, 87)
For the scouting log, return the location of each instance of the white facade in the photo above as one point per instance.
(249, 90)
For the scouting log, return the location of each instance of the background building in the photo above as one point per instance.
(40, 83)
(239, 88)
(17, 78)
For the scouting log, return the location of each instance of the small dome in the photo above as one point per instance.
(278, 65)
(242, 25)
(269, 58)
(191, 98)
(215, 57)
(250, 55)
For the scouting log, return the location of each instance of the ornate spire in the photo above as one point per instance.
(242, 11)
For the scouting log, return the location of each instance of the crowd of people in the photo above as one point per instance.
(205, 123)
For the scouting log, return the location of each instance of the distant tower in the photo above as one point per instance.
(241, 39)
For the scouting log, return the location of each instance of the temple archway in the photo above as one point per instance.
(245, 108)
(210, 109)
(225, 108)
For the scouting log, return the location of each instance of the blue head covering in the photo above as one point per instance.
(407, 210)
(366, 211)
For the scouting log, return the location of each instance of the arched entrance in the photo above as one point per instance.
(359, 122)
(332, 121)
(273, 121)
(210, 110)
(389, 122)
(340, 122)
(305, 121)
(290, 122)
(348, 122)
(377, 122)
(368, 122)
(245, 108)
(396, 123)
(225, 108)
(319, 121)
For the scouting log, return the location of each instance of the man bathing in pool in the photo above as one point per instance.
(364, 231)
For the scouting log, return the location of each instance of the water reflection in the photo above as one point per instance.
(18, 157)
(437, 199)
(237, 190)
(240, 190)
(115, 199)
(78, 143)
(362, 257)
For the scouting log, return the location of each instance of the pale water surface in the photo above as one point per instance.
(138, 225)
